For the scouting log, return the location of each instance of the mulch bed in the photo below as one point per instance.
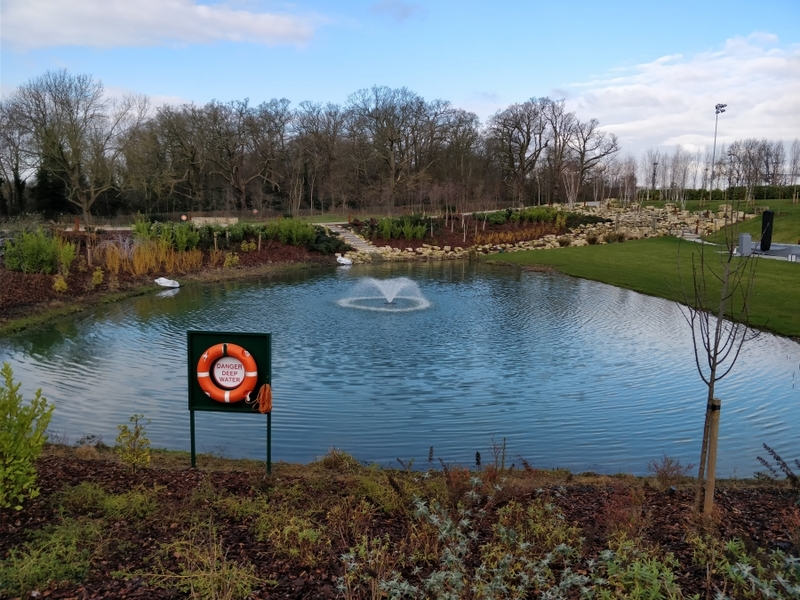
(23, 294)
(455, 236)
(757, 515)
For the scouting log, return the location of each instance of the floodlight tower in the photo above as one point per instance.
(719, 108)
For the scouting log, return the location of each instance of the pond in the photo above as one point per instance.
(569, 373)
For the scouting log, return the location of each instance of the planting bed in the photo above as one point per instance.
(139, 549)
(24, 294)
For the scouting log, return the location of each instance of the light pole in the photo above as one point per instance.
(719, 108)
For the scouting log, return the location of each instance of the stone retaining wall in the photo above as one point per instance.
(634, 222)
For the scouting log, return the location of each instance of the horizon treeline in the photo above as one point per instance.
(68, 148)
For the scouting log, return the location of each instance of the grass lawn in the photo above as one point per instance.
(650, 266)
(785, 228)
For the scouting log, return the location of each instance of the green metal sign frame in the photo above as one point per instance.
(259, 345)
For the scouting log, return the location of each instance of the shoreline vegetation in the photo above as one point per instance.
(647, 265)
(42, 313)
(337, 528)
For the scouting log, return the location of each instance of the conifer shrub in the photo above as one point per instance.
(22, 435)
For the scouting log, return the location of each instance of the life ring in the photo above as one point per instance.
(212, 388)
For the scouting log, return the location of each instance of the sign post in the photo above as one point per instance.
(230, 372)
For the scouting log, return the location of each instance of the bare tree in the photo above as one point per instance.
(13, 165)
(68, 119)
(183, 135)
(794, 162)
(516, 137)
(679, 165)
(322, 126)
(590, 146)
(233, 134)
(560, 132)
(649, 170)
(391, 119)
(716, 307)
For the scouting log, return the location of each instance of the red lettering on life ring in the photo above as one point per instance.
(206, 363)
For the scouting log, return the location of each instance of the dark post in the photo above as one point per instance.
(191, 434)
(269, 443)
(766, 229)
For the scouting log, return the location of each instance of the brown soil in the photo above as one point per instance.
(760, 516)
(23, 295)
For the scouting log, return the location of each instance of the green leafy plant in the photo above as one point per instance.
(632, 571)
(55, 554)
(206, 570)
(60, 284)
(133, 446)
(231, 260)
(66, 256)
(291, 231)
(22, 435)
(32, 252)
(186, 237)
(293, 536)
(97, 276)
(142, 228)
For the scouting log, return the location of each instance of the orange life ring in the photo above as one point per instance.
(210, 386)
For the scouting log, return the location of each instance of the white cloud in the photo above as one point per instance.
(29, 24)
(670, 101)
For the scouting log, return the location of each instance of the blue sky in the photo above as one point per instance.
(649, 71)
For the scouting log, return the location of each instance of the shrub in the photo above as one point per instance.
(142, 228)
(186, 237)
(326, 242)
(668, 471)
(231, 260)
(60, 284)
(32, 253)
(497, 218)
(235, 233)
(291, 231)
(66, 256)
(133, 446)
(22, 435)
(97, 276)
(564, 241)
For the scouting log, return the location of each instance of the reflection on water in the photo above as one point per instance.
(572, 373)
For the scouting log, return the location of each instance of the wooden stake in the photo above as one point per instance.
(713, 436)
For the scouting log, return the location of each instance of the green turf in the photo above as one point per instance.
(650, 266)
(786, 224)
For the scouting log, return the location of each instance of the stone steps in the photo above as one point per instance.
(357, 242)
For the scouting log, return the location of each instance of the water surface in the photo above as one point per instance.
(571, 373)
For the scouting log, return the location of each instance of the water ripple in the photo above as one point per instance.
(568, 372)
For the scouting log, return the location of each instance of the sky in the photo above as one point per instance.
(650, 72)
